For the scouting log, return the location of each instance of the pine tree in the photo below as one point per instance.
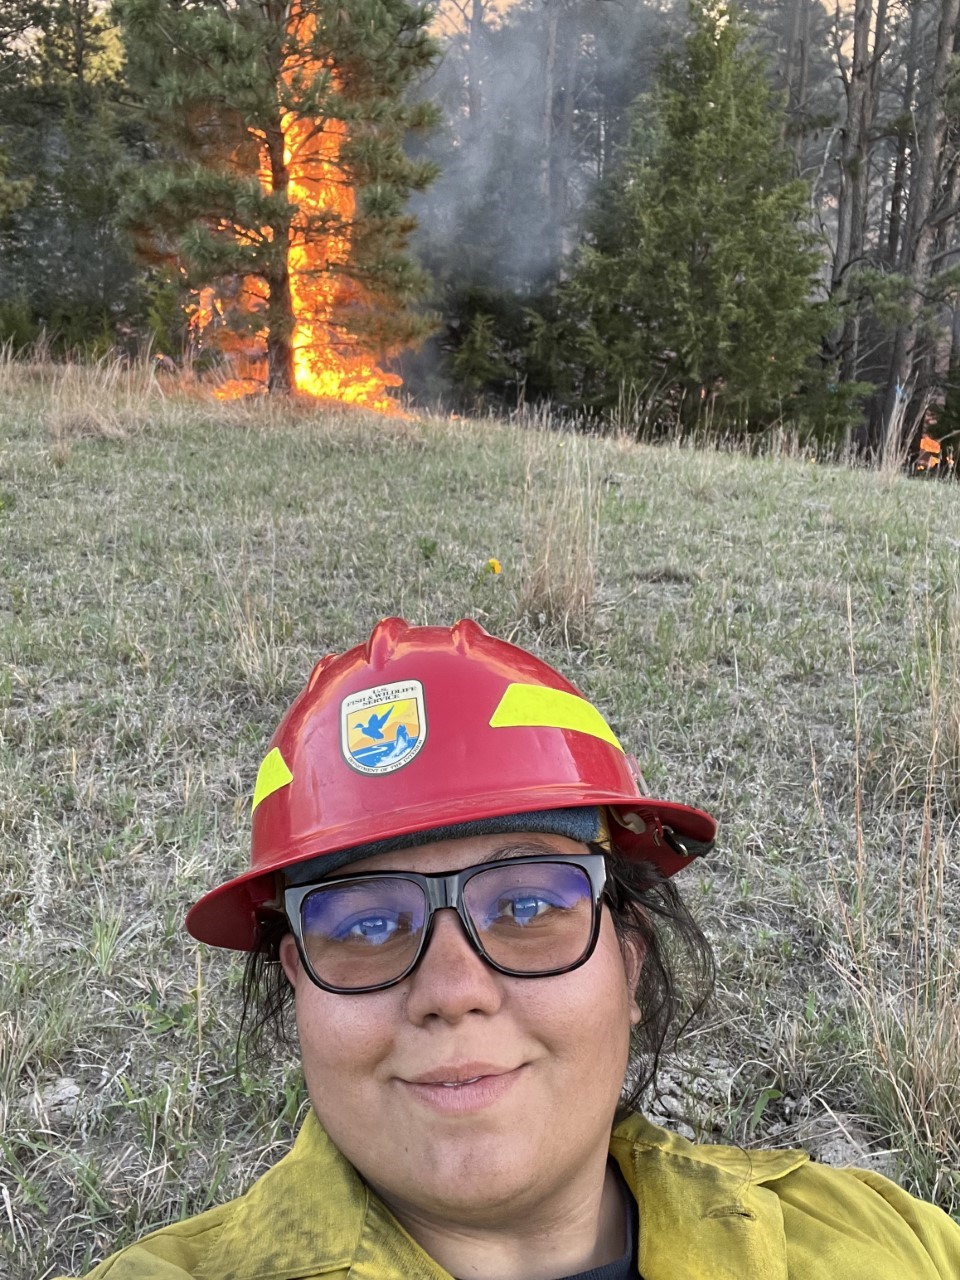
(15, 23)
(65, 266)
(259, 105)
(699, 270)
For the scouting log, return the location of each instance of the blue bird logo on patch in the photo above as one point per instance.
(374, 726)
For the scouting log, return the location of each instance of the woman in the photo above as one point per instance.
(460, 887)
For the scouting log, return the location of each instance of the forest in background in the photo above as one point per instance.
(657, 215)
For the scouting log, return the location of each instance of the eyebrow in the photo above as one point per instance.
(520, 849)
(514, 848)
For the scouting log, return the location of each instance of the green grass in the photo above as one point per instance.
(776, 640)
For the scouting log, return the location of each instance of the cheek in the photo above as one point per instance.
(634, 955)
(346, 1046)
(593, 1006)
(616, 986)
(342, 1041)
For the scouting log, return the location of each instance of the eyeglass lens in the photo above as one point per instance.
(529, 919)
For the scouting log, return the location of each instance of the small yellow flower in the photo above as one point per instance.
(494, 565)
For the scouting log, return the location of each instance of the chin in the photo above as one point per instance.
(468, 1186)
(488, 1166)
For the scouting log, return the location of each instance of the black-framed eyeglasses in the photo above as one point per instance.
(526, 917)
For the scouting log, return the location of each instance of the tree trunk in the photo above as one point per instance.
(795, 73)
(280, 318)
(860, 193)
(852, 153)
(280, 372)
(854, 179)
(549, 89)
(945, 248)
(549, 158)
(476, 35)
(953, 368)
(934, 359)
(894, 225)
(862, 87)
(79, 34)
(917, 251)
(563, 157)
(789, 63)
(800, 91)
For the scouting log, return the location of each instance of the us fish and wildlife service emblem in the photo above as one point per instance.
(382, 729)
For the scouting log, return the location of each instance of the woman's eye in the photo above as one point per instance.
(524, 908)
(376, 929)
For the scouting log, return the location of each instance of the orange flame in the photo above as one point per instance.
(328, 362)
(928, 457)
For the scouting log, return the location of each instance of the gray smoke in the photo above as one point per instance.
(534, 112)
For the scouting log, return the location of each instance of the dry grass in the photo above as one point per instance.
(898, 943)
(164, 593)
(107, 400)
(562, 536)
(902, 968)
(945, 703)
(897, 440)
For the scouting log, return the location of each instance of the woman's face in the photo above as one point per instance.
(544, 1057)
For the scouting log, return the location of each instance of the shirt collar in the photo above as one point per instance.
(312, 1214)
(699, 1201)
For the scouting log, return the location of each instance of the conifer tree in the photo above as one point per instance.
(66, 268)
(699, 271)
(256, 102)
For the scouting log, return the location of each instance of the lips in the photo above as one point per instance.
(464, 1089)
(461, 1074)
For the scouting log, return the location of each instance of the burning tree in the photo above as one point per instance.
(280, 183)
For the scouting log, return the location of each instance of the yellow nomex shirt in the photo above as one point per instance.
(706, 1213)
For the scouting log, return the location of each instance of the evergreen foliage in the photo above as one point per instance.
(14, 25)
(66, 267)
(695, 292)
(506, 350)
(222, 86)
(699, 272)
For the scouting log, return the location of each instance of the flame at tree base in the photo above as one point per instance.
(322, 370)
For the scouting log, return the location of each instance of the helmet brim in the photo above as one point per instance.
(668, 835)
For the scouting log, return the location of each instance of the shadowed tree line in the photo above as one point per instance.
(663, 216)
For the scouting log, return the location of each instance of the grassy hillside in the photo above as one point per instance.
(775, 640)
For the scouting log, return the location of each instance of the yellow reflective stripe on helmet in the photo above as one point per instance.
(534, 706)
(271, 776)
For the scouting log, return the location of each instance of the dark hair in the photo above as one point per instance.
(675, 982)
(677, 974)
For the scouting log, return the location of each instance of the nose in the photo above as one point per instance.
(452, 980)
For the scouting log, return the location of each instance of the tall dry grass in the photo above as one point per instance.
(898, 943)
(562, 505)
(106, 399)
(898, 435)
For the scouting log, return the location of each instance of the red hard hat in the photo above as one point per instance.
(426, 727)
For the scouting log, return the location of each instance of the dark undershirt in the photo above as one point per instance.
(625, 1267)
